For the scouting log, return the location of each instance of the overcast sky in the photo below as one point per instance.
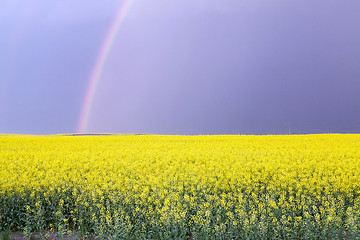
(182, 67)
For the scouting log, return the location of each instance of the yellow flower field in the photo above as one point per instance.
(182, 187)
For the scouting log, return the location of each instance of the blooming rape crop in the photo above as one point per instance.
(182, 187)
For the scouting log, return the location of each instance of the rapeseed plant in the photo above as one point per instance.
(182, 187)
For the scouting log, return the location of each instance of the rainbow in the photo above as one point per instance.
(100, 63)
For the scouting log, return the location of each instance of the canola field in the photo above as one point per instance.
(182, 187)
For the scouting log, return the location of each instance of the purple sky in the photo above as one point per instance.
(182, 67)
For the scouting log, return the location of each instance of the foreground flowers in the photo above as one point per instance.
(168, 187)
